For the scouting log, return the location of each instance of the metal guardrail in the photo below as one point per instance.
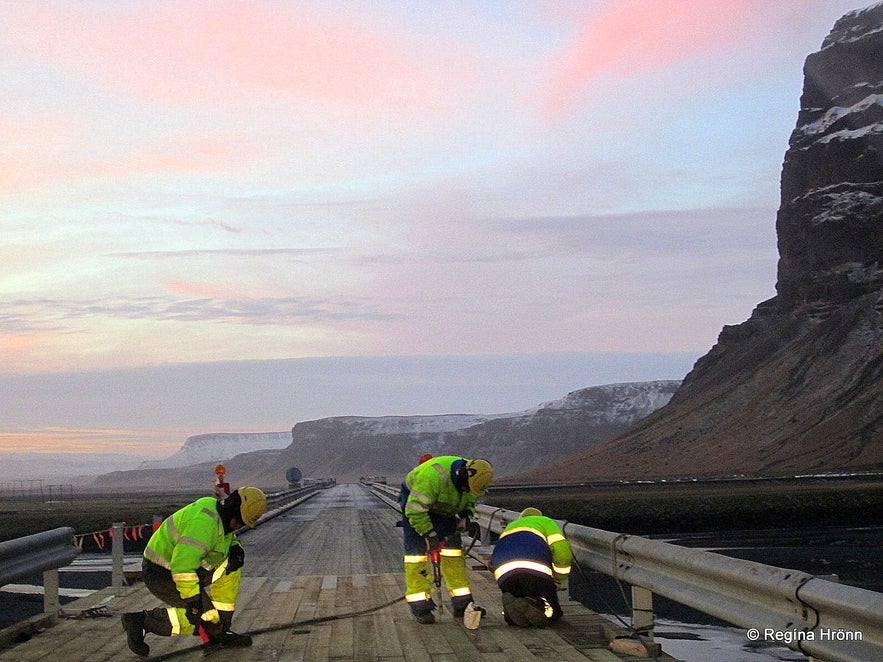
(817, 617)
(47, 551)
(820, 618)
(276, 499)
(44, 552)
(279, 502)
(26, 556)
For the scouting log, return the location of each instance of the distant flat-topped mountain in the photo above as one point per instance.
(798, 387)
(218, 446)
(348, 447)
(512, 442)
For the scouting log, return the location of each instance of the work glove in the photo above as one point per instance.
(193, 610)
(235, 559)
(433, 542)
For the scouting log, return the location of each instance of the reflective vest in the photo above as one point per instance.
(433, 491)
(532, 544)
(191, 538)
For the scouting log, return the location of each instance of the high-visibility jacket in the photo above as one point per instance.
(191, 538)
(533, 544)
(433, 491)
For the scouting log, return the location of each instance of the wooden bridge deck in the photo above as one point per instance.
(325, 567)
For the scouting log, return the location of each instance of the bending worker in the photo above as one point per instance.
(437, 501)
(193, 562)
(530, 559)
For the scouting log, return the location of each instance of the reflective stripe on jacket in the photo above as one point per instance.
(191, 538)
(433, 491)
(533, 544)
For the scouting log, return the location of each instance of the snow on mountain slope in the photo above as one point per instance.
(219, 447)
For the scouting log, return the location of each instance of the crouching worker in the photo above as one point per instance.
(437, 501)
(193, 563)
(530, 559)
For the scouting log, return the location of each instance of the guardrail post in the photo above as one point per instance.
(642, 611)
(117, 577)
(50, 594)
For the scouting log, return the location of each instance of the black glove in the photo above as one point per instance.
(433, 542)
(193, 609)
(235, 559)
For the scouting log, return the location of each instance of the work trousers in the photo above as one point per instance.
(218, 593)
(418, 568)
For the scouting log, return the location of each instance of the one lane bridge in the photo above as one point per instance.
(331, 568)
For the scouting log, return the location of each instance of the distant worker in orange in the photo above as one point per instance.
(221, 488)
(424, 457)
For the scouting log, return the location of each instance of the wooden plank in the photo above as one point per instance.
(335, 561)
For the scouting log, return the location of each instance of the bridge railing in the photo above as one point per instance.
(44, 552)
(279, 502)
(821, 618)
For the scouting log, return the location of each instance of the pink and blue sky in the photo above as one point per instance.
(189, 183)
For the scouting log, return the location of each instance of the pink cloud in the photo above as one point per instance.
(226, 52)
(58, 440)
(202, 290)
(630, 37)
(48, 149)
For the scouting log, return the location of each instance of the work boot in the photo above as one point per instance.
(536, 616)
(426, 618)
(521, 611)
(232, 639)
(133, 624)
(422, 611)
(227, 639)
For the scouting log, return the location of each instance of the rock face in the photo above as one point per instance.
(798, 387)
(829, 223)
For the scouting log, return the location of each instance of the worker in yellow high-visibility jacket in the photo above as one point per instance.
(530, 560)
(193, 563)
(437, 500)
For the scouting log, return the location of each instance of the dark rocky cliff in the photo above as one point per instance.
(829, 224)
(798, 387)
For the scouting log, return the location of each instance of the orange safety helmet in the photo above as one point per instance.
(220, 470)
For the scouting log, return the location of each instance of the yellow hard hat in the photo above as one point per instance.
(531, 512)
(479, 475)
(254, 504)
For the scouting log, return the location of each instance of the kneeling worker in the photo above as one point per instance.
(193, 562)
(437, 500)
(530, 559)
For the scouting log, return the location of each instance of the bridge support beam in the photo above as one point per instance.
(51, 603)
(642, 611)
(117, 576)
